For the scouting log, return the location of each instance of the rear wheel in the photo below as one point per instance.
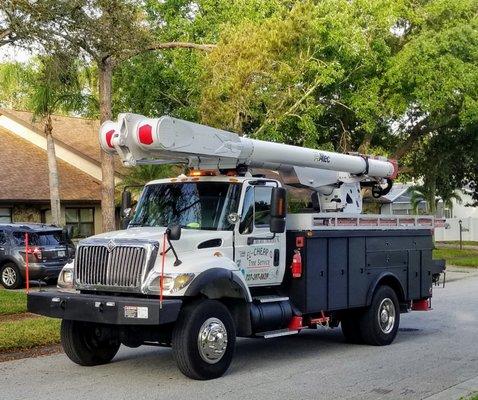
(351, 327)
(203, 340)
(379, 323)
(88, 344)
(10, 276)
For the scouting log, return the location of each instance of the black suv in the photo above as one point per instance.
(49, 249)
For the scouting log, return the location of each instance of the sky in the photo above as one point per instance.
(10, 53)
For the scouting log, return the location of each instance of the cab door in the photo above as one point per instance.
(259, 254)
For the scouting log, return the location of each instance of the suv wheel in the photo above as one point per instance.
(10, 276)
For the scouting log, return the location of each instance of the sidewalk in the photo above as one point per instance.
(455, 273)
(460, 391)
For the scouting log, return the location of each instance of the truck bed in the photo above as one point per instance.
(340, 267)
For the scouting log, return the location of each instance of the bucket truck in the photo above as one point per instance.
(215, 254)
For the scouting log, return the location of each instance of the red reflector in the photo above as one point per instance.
(295, 323)
(145, 134)
(299, 241)
(420, 305)
(108, 137)
(395, 168)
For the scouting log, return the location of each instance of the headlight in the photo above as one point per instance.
(171, 282)
(65, 279)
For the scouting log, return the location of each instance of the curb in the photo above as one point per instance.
(459, 391)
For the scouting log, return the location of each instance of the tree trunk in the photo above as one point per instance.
(107, 167)
(53, 179)
(365, 145)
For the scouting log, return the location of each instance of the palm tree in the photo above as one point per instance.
(420, 193)
(55, 88)
(416, 198)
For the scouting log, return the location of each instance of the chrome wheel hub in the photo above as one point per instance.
(386, 315)
(212, 340)
(9, 276)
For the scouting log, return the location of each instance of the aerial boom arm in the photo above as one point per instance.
(141, 140)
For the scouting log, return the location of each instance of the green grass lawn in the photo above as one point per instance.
(28, 333)
(462, 258)
(12, 302)
(457, 242)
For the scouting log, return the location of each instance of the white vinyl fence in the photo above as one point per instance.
(451, 231)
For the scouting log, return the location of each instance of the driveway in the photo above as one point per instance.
(434, 351)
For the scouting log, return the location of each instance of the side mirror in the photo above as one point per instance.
(125, 202)
(174, 232)
(277, 225)
(68, 232)
(278, 210)
(278, 202)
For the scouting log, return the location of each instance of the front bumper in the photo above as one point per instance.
(114, 310)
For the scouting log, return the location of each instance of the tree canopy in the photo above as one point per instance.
(397, 78)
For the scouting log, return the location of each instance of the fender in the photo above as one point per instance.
(389, 278)
(12, 259)
(213, 274)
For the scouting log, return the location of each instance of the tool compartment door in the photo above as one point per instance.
(337, 274)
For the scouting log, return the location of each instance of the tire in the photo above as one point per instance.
(375, 330)
(52, 281)
(351, 328)
(87, 344)
(10, 276)
(196, 361)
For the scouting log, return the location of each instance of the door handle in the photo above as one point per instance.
(276, 257)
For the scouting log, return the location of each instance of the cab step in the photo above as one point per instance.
(277, 333)
(270, 299)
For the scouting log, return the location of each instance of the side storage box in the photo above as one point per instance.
(341, 266)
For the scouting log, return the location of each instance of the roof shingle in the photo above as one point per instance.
(79, 134)
(24, 174)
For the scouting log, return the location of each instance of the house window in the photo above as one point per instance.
(82, 220)
(5, 215)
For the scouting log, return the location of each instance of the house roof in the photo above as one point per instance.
(398, 189)
(24, 174)
(79, 135)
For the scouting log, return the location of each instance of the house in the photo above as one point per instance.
(25, 192)
(398, 202)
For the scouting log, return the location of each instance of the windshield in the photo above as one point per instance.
(198, 205)
(40, 239)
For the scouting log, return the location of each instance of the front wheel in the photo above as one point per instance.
(88, 344)
(203, 340)
(379, 323)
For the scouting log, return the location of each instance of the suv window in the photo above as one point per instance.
(3, 238)
(40, 239)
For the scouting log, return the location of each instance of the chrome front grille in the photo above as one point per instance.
(118, 266)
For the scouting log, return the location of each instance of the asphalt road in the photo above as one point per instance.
(434, 351)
